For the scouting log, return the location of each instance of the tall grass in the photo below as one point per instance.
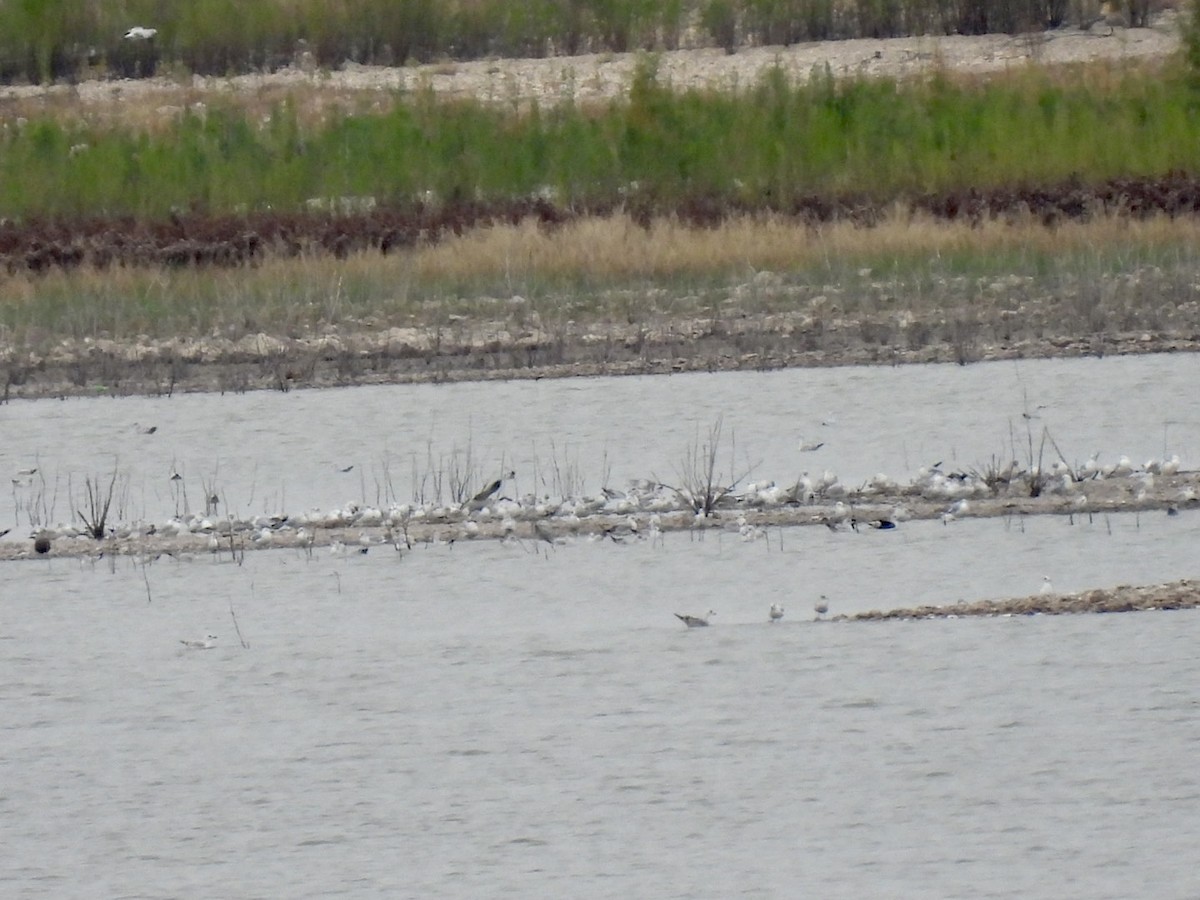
(597, 270)
(45, 40)
(757, 147)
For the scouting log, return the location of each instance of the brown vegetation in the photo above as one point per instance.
(194, 240)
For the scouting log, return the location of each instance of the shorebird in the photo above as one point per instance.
(821, 607)
(776, 612)
(208, 643)
(1047, 587)
(695, 621)
(140, 33)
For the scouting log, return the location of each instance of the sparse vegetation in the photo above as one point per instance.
(96, 504)
(703, 485)
(68, 40)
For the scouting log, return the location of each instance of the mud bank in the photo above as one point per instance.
(1183, 594)
(420, 356)
(638, 515)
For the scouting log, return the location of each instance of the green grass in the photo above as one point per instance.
(758, 147)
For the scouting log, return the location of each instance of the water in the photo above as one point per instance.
(509, 719)
(271, 452)
(484, 720)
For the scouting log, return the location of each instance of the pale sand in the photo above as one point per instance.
(600, 77)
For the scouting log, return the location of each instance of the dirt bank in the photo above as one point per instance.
(1149, 311)
(601, 77)
(1183, 594)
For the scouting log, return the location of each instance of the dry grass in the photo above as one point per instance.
(1081, 277)
(616, 249)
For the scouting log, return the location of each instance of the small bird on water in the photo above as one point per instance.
(208, 643)
(776, 612)
(695, 621)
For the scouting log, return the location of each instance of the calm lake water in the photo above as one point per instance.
(272, 452)
(486, 720)
(507, 719)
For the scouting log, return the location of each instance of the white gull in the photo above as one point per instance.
(208, 643)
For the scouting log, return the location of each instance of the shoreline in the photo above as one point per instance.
(642, 514)
(95, 367)
(1173, 595)
(601, 77)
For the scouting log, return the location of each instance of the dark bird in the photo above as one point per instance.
(483, 496)
(41, 544)
(882, 524)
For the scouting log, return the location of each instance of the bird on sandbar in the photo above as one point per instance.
(479, 500)
(695, 621)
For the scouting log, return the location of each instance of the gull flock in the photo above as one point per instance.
(644, 509)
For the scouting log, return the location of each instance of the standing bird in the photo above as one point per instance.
(821, 607)
(776, 612)
(1047, 587)
(695, 621)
